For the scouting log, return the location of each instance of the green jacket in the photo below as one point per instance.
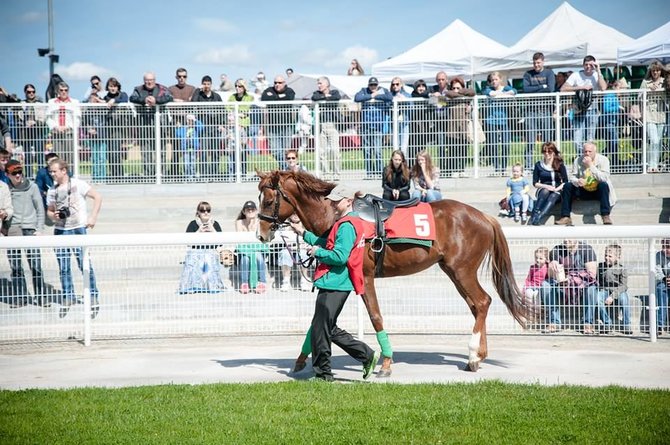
(337, 278)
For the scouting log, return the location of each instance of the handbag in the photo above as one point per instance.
(561, 277)
(472, 127)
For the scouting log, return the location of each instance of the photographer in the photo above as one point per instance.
(66, 207)
(662, 275)
(583, 83)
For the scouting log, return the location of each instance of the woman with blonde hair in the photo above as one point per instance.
(244, 99)
(355, 68)
(655, 112)
(425, 177)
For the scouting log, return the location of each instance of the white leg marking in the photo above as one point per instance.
(473, 347)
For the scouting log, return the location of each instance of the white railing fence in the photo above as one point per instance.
(227, 141)
(138, 277)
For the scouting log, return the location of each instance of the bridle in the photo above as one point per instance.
(276, 224)
(279, 195)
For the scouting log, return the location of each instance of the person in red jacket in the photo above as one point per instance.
(340, 253)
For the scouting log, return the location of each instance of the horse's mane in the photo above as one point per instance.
(307, 183)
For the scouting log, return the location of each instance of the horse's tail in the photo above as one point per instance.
(503, 278)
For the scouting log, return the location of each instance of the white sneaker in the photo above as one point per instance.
(285, 286)
(305, 285)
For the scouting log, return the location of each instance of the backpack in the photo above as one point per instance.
(583, 100)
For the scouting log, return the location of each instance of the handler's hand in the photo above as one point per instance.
(297, 227)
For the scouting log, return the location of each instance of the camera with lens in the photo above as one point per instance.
(63, 212)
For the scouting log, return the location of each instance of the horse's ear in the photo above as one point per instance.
(260, 174)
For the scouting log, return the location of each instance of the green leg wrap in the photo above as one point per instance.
(385, 344)
(307, 344)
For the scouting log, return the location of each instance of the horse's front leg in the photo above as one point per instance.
(370, 300)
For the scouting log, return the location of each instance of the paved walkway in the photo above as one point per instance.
(547, 360)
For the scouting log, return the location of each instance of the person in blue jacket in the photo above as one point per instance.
(375, 105)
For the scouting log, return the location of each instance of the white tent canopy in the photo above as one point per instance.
(649, 47)
(565, 37)
(457, 49)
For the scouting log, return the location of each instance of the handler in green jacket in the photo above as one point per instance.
(340, 270)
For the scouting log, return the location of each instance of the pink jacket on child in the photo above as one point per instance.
(536, 275)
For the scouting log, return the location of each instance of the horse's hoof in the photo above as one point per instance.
(299, 366)
(384, 373)
(472, 366)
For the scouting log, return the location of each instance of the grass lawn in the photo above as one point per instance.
(321, 413)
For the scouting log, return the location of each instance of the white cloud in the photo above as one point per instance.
(215, 25)
(32, 17)
(82, 71)
(228, 55)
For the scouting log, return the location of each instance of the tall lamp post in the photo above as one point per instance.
(49, 52)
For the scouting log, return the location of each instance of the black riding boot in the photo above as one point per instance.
(541, 210)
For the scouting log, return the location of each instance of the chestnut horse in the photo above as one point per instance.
(465, 237)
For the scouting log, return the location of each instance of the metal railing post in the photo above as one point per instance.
(475, 138)
(644, 132)
(86, 269)
(317, 140)
(653, 329)
(157, 141)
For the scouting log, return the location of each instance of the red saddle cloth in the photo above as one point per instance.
(411, 222)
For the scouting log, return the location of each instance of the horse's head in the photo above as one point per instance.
(283, 194)
(275, 205)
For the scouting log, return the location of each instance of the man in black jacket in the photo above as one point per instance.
(149, 96)
(280, 119)
(212, 117)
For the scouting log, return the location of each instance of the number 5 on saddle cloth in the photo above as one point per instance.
(395, 222)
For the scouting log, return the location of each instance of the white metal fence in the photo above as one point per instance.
(138, 277)
(227, 141)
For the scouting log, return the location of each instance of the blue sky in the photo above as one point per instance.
(125, 38)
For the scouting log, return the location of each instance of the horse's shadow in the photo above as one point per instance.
(284, 366)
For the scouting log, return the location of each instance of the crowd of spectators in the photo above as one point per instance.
(112, 134)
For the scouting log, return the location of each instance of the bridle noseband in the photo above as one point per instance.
(274, 219)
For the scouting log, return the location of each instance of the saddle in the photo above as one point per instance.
(376, 210)
(373, 208)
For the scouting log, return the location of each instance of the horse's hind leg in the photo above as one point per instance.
(478, 300)
(370, 300)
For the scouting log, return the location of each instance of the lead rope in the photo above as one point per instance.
(304, 264)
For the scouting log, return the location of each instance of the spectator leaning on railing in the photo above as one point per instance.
(583, 83)
(148, 96)
(328, 98)
(375, 102)
(63, 116)
(280, 119)
(538, 113)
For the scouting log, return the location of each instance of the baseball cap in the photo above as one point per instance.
(373, 81)
(249, 205)
(13, 166)
(340, 192)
